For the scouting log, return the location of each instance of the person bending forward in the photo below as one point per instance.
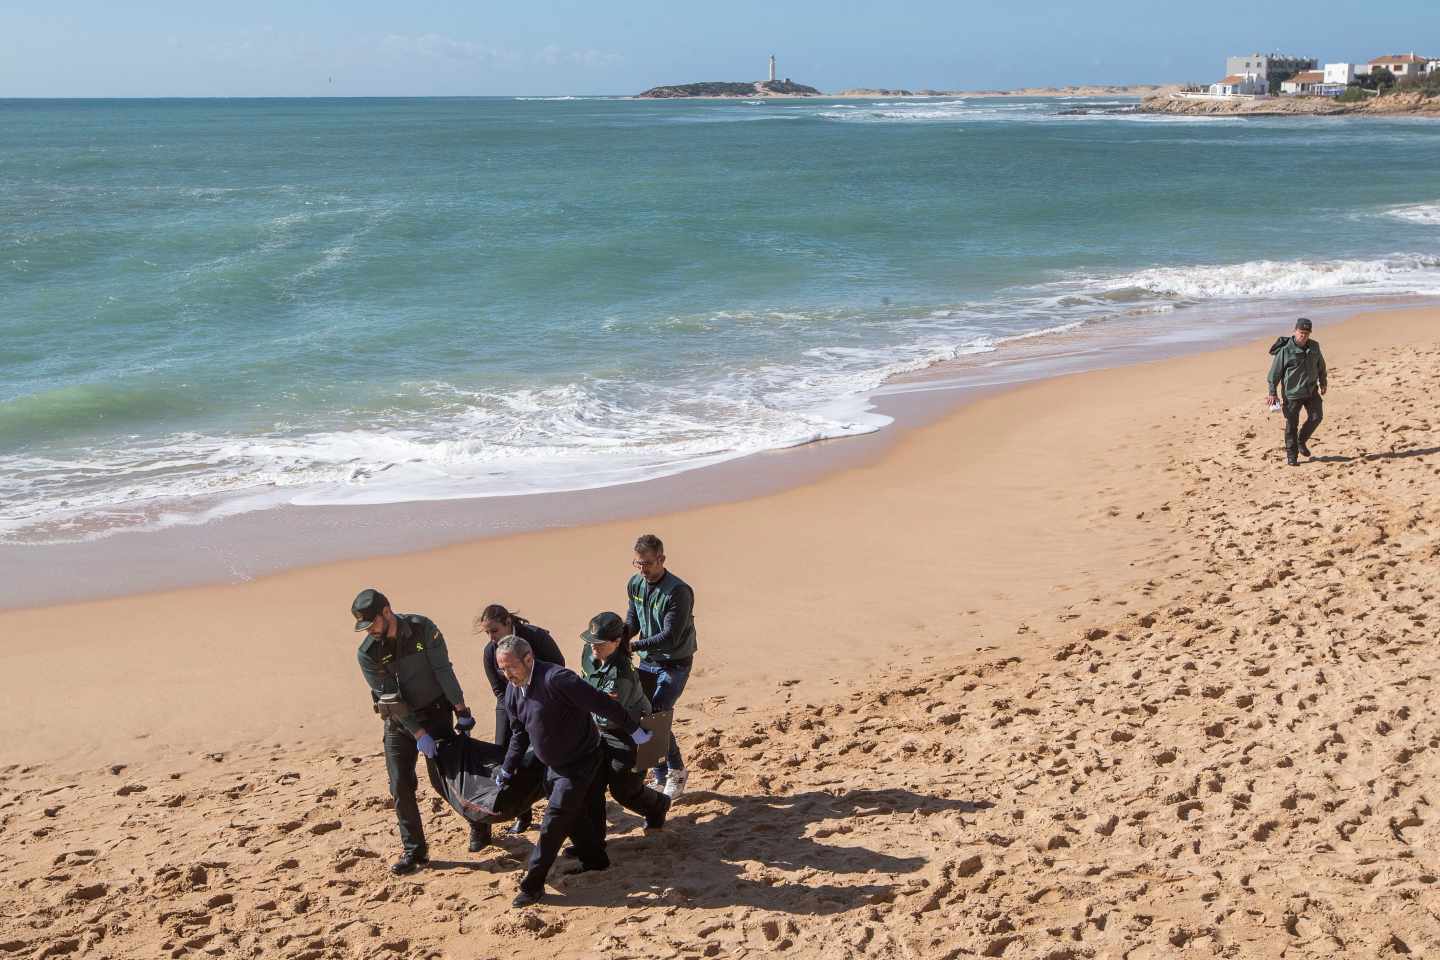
(550, 712)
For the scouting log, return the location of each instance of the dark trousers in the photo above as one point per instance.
(400, 756)
(502, 724)
(576, 811)
(627, 785)
(663, 684)
(1314, 413)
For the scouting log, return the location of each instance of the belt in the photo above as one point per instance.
(395, 708)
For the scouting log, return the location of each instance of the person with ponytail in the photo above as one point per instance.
(496, 623)
(607, 664)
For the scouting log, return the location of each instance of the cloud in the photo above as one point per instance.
(554, 56)
(436, 47)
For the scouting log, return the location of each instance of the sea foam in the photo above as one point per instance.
(1425, 213)
(1399, 273)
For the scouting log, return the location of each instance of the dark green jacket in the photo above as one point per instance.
(618, 677)
(661, 618)
(1298, 370)
(416, 664)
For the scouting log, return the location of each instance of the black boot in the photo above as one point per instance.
(409, 862)
(522, 822)
(479, 836)
(656, 818)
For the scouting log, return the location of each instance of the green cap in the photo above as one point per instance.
(603, 628)
(367, 606)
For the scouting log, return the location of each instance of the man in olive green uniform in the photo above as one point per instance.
(413, 686)
(661, 619)
(1299, 371)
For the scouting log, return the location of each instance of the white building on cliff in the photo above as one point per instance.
(1241, 85)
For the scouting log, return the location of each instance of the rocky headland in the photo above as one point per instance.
(745, 89)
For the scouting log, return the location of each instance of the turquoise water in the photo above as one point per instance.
(212, 306)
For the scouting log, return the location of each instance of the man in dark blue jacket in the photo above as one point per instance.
(550, 710)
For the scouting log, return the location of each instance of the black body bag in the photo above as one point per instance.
(463, 772)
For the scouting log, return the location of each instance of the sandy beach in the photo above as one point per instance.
(1080, 670)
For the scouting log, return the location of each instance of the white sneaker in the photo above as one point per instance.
(675, 783)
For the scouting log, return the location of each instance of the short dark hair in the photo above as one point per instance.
(649, 543)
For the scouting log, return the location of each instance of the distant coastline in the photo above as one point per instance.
(1079, 90)
(787, 89)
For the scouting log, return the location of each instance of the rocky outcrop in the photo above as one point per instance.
(757, 88)
(882, 92)
(1395, 103)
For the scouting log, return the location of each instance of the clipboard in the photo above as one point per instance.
(652, 751)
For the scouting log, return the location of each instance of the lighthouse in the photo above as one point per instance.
(772, 68)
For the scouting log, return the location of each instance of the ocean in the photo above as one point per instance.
(219, 306)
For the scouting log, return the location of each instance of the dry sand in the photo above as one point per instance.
(1080, 671)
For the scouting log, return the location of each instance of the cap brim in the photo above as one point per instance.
(362, 625)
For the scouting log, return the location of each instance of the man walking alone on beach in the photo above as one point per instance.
(661, 618)
(1299, 372)
(412, 684)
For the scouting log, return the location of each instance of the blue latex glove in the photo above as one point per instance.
(641, 736)
(502, 776)
(465, 723)
(426, 743)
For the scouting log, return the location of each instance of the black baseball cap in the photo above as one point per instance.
(603, 628)
(1302, 324)
(367, 606)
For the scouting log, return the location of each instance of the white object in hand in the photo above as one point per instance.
(641, 736)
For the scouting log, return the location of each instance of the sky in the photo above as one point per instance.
(98, 48)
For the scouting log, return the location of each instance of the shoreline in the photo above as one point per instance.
(270, 541)
(1011, 439)
(1081, 669)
